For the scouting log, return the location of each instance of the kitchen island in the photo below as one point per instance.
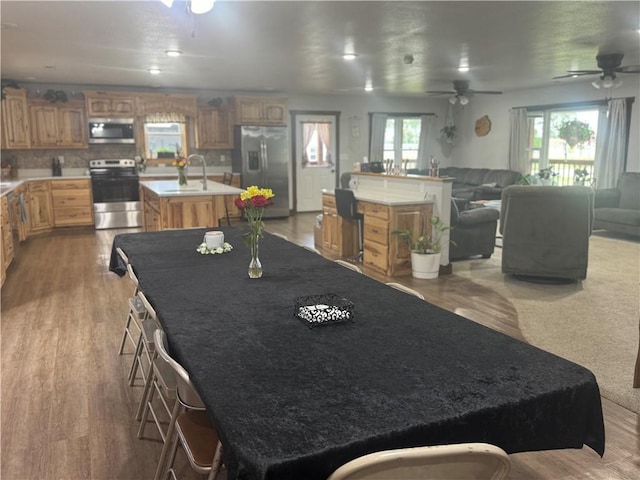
(165, 204)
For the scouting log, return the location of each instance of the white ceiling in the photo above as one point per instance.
(296, 47)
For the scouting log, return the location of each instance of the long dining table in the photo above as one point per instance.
(293, 402)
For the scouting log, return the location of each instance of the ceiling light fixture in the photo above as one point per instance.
(349, 56)
(168, 3)
(607, 81)
(201, 6)
(154, 71)
(173, 53)
(463, 99)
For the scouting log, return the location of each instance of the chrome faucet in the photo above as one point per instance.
(204, 168)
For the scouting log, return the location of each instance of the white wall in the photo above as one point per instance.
(491, 151)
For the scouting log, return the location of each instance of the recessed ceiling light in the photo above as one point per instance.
(463, 69)
(154, 71)
(201, 6)
(349, 56)
(173, 53)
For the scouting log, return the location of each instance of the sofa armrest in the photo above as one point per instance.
(487, 193)
(478, 215)
(607, 198)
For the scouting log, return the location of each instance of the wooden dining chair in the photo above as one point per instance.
(189, 425)
(405, 289)
(135, 312)
(469, 461)
(348, 265)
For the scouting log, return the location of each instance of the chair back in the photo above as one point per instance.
(187, 394)
(122, 255)
(346, 203)
(349, 265)
(132, 275)
(150, 310)
(227, 178)
(471, 461)
(405, 289)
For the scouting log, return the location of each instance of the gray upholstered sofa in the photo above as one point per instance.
(473, 230)
(477, 183)
(618, 209)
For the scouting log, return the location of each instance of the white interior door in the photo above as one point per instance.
(316, 159)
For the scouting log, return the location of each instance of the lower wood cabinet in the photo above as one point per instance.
(6, 237)
(72, 202)
(40, 206)
(339, 235)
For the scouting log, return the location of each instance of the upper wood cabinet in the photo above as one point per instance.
(109, 104)
(15, 119)
(58, 125)
(254, 110)
(214, 128)
(158, 103)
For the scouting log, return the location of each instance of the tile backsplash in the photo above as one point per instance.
(79, 158)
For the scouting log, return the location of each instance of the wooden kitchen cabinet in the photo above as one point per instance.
(72, 202)
(15, 119)
(40, 206)
(158, 103)
(383, 251)
(234, 212)
(6, 237)
(256, 110)
(150, 210)
(214, 128)
(339, 235)
(58, 126)
(188, 212)
(109, 104)
(23, 227)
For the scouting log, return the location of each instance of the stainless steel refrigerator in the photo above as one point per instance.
(261, 155)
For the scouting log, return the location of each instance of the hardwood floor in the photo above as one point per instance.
(66, 409)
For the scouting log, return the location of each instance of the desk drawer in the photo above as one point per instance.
(375, 256)
(376, 210)
(376, 230)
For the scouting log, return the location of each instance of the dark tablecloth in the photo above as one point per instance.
(292, 402)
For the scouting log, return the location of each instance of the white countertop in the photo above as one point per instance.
(170, 188)
(389, 200)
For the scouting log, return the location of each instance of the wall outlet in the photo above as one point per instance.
(61, 159)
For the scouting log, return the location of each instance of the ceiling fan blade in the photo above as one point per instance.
(486, 92)
(583, 72)
(629, 69)
(577, 74)
(439, 92)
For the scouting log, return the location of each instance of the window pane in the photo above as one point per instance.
(164, 140)
(389, 139)
(572, 143)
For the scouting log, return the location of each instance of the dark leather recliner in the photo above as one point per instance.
(473, 230)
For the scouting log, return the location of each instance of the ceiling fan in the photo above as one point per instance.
(461, 92)
(609, 65)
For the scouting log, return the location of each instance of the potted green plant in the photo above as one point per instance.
(449, 133)
(580, 176)
(425, 248)
(545, 175)
(574, 132)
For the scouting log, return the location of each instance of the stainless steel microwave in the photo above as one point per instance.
(111, 130)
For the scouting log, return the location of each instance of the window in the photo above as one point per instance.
(164, 140)
(317, 144)
(401, 140)
(565, 141)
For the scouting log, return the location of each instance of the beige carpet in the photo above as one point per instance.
(593, 323)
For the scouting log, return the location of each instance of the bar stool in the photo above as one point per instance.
(347, 207)
(227, 179)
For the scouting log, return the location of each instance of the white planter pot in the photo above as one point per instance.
(425, 265)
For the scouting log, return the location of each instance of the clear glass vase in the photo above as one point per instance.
(182, 177)
(255, 267)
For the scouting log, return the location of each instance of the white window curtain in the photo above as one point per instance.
(519, 141)
(425, 146)
(611, 144)
(166, 117)
(378, 125)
